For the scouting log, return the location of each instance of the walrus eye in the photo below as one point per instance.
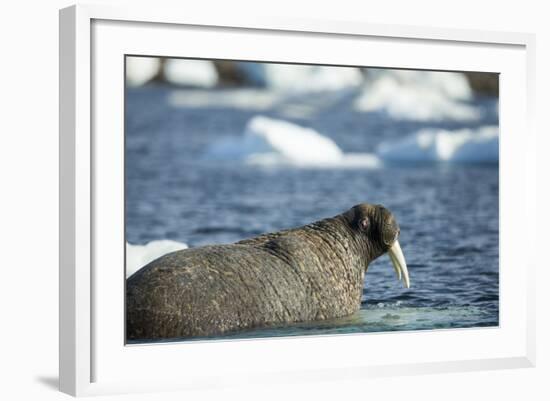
(364, 224)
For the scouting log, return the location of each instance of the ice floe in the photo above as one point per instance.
(140, 70)
(137, 256)
(193, 73)
(438, 145)
(301, 78)
(271, 142)
(418, 95)
(267, 141)
(246, 99)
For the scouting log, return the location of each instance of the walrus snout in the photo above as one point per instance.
(380, 228)
(390, 235)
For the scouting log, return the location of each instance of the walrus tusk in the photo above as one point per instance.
(399, 264)
(394, 263)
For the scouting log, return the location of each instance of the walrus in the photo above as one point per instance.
(313, 272)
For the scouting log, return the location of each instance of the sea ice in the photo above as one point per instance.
(140, 70)
(301, 78)
(193, 73)
(418, 95)
(268, 141)
(137, 256)
(438, 145)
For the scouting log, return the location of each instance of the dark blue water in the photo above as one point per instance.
(449, 214)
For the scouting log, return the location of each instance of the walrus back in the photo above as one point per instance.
(213, 290)
(302, 274)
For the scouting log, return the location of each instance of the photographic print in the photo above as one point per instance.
(269, 200)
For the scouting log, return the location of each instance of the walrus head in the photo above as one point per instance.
(381, 232)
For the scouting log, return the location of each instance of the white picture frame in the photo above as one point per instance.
(93, 356)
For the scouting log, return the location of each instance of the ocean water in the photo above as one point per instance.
(448, 212)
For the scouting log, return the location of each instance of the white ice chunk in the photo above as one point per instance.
(195, 73)
(137, 256)
(418, 95)
(269, 142)
(301, 78)
(140, 70)
(438, 145)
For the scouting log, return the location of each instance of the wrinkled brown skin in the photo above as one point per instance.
(313, 272)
